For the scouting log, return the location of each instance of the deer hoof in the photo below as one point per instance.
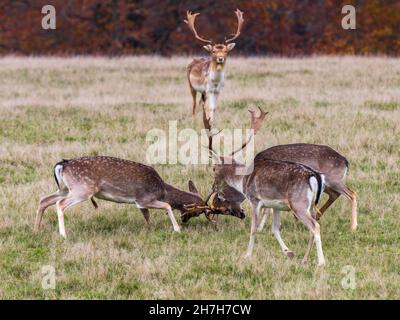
(289, 254)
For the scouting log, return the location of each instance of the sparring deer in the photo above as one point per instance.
(279, 185)
(120, 181)
(206, 75)
(320, 158)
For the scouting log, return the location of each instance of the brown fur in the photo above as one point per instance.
(318, 157)
(115, 180)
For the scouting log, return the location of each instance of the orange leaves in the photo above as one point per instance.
(285, 27)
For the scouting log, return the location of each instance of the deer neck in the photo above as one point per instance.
(236, 181)
(178, 198)
(216, 72)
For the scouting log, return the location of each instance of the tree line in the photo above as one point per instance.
(118, 27)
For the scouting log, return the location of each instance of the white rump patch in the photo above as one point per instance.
(345, 173)
(323, 183)
(58, 173)
(312, 192)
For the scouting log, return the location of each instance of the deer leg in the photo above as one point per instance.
(352, 196)
(44, 204)
(255, 210)
(311, 238)
(163, 205)
(309, 247)
(203, 101)
(333, 195)
(65, 203)
(146, 215)
(94, 203)
(194, 96)
(302, 212)
(264, 217)
(276, 224)
(212, 105)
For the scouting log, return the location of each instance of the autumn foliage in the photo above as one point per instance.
(117, 27)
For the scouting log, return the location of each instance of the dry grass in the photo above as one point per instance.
(61, 108)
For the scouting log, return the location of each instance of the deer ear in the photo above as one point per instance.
(208, 47)
(230, 46)
(192, 187)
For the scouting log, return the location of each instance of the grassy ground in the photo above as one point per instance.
(61, 108)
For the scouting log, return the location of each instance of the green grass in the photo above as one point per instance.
(52, 109)
(384, 106)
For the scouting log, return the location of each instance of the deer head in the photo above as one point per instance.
(228, 201)
(219, 51)
(198, 207)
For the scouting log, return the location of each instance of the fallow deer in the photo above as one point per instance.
(206, 75)
(120, 181)
(279, 185)
(320, 158)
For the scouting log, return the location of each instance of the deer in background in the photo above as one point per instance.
(320, 158)
(120, 181)
(206, 75)
(279, 185)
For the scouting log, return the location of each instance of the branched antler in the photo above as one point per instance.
(191, 17)
(256, 123)
(239, 15)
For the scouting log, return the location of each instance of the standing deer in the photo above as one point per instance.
(206, 76)
(120, 181)
(279, 185)
(320, 158)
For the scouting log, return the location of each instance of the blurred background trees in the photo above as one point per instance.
(279, 27)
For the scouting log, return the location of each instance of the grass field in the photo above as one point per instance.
(54, 108)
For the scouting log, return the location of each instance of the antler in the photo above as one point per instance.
(239, 15)
(190, 22)
(195, 210)
(256, 123)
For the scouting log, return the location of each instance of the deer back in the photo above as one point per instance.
(320, 158)
(273, 179)
(108, 175)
